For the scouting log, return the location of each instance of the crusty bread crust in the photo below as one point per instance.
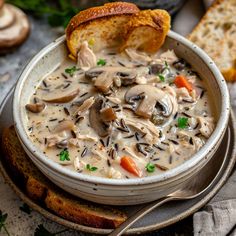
(216, 33)
(40, 189)
(108, 9)
(101, 24)
(147, 30)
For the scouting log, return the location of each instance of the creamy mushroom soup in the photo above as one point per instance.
(120, 115)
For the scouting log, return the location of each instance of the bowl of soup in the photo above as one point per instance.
(131, 129)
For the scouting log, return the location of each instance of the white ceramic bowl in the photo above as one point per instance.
(124, 191)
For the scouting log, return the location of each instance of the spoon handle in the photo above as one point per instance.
(139, 214)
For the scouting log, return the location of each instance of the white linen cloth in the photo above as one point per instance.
(218, 217)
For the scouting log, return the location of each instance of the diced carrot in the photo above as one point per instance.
(180, 81)
(128, 164)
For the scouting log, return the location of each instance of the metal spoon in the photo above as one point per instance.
(204, 181)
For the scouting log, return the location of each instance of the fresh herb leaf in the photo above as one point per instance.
(101, 62)
(182, 122)
(91, 168)
(150, 167)
(64, 155)
(71, 70)
(161, 77)
(166, 65)
(3, 218)
(25, 208)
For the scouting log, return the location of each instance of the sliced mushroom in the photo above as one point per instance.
(62, 144)
(85, 106)
(108, 114)
(106, 75)
(64, 126)
(86, 58)
(156, 68)
(14, 27)
(7, 17)
(103, 129)
(63, 97)
(35, 107)
(104, 81)
(127, 77)
(152, 98)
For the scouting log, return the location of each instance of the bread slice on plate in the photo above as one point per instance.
(40, 189)
(100, 26)
(147, 30)
(216, 34)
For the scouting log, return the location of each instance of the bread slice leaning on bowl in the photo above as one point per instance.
(42, 190)
(146, 30)
(100, 25)
(120, 25)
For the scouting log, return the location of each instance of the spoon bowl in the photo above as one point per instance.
(200, 183)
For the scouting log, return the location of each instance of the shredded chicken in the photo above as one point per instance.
(87, 137)
(85, 106)
(169, 90)
(183, 95)
(75, 142)
(132, 153)
(79, 164)
(141, 80)
(86, 59)
(168, 56)
(114, 100)
(206, 125)
(113, 174)
(53, 140)
(198, 143)
(138, 56)
(99, 154)
(144, 126)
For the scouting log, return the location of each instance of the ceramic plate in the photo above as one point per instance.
(157, 219)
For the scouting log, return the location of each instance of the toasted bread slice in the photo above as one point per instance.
(147, 30)
(216, 33)
(100, 25)
(39, 188)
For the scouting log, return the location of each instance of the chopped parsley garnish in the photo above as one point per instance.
(166, 65)
(150, 167)
(3, 218)
(161, 77)
(101, 62)
(64, 155)
(91, 168)
(71, 70)
(182, 122)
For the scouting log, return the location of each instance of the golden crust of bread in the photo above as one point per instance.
(102, 24)
(40, 189)
(219, 46)
(82, 215)
(108, 9)
(147, 30)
